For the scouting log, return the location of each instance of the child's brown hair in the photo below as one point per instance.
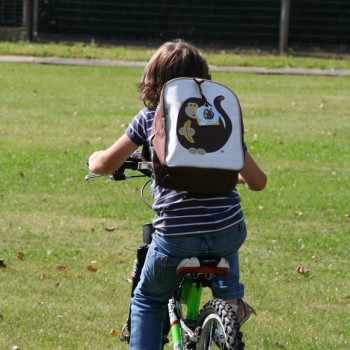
(173, 59)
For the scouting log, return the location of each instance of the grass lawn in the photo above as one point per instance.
(68, 245)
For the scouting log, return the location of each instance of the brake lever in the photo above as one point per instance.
(93, 176)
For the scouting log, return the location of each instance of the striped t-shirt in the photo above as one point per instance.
(183, 213)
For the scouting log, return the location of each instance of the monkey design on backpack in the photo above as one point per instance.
(197, 137)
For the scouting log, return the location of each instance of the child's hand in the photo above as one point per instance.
(93, 156)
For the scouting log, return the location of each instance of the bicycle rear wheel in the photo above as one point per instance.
(219, 327)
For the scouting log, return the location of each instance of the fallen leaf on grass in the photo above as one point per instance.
(61, 268)
(298, 213)
(129, 280)
(58, 284)
(2, 263)
(280, 345)
(110, 229)
(43, 276)
(115, 332)
(302, 270)
(20, 256)
(15, 347)
(91, 268)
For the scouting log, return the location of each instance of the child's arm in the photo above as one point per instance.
(251, 175)
(105, 162)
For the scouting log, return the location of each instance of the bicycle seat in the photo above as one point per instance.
(214, 265)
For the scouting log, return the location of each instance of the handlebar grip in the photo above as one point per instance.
(130, 163)
(118, 176)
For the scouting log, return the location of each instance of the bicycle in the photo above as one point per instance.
(212, 326)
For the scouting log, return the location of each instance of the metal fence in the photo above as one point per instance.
(272, 23)
(202, 21)
(319, 22)
(11, 13)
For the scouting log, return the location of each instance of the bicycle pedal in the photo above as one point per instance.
(123, 335)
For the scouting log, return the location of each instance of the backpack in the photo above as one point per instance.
(197, 137)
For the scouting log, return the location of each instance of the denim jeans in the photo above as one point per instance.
(159, 278)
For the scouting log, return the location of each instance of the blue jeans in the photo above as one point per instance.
(159, 279)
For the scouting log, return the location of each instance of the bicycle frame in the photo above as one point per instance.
(183, 322)
(190, 295)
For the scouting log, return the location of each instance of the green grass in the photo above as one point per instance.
(218, 57)
(53, 117)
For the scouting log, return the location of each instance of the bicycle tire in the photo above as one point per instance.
(219, 327)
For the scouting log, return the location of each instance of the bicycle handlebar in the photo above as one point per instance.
(134, 162)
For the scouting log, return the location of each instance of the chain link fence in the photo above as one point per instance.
(319, 22)
(201, 21)
(11, 19)
(254, 23)
(11, 13)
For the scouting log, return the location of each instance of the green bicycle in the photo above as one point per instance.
(190, 326)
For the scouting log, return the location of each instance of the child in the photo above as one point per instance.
(186, 224)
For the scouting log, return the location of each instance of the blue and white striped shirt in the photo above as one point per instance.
(184, 213)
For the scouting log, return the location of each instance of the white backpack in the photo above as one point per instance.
(197, 137)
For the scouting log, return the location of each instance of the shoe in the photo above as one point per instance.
(243, 311)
